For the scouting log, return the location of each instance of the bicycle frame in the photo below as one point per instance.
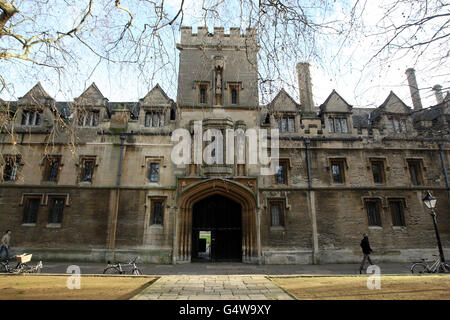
(119, 265)
(21, 267)
(5, 265)
(435, 265)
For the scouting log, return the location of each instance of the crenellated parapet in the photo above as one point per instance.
(233, 39)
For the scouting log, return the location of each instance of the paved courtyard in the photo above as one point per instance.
(213, 287)
(223, 281)
(232, 268)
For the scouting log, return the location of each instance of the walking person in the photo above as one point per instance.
(367, 250)
(5, 244)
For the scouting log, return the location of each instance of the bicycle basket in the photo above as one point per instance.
(24, 258)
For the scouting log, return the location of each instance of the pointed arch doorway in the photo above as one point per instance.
(195, 214)
(216, 230)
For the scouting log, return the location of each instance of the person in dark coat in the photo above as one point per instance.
(367, 250)
(5, 244)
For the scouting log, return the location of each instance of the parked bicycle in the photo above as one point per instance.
(117, 268)
(21, 266)
(436, 267)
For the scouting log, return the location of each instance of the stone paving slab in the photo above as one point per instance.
(172, 287)
(232, 269)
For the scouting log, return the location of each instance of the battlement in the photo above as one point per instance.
(219, 38)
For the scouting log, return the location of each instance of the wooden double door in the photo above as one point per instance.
(217, 230)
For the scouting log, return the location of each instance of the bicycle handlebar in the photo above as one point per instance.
(133, 260)
(129, 262)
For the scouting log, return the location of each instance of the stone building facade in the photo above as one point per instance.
(94, 180)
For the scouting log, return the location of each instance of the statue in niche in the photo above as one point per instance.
(218, 69)
(218, 81)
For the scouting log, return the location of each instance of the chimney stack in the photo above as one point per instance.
(305, 87)
(413, 88)
(438, 93)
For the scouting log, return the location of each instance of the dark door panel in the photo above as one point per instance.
(223, 218)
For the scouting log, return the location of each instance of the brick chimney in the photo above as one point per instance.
(438, 93)
(413, 88)
(305, 87)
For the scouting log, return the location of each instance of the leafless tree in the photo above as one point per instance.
(417, 31)
(68, 41)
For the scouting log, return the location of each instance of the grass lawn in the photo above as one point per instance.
(43, 287)
(422, 287)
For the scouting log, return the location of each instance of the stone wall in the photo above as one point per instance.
(324, 221)
(84, 221)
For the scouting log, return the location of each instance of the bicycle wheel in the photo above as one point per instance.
(37, 268)
(419, 268)
(444, 268)
(40, 267)
(20, 268)
(3, 268)
(136, 272)
(111, 270)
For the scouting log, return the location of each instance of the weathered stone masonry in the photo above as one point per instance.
(344, 170)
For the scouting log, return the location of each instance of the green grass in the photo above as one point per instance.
(208, 238)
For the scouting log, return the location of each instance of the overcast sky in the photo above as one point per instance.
(343, 66)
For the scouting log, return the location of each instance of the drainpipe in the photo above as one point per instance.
(112, 238)
(308, 163)
(444, 168)
(258, 234)
(312, 205)
(119, 170)
(175, 233)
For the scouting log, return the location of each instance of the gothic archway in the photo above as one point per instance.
(204, 189)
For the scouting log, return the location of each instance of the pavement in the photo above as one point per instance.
(222, 281)
(213, 287)
(232, 269)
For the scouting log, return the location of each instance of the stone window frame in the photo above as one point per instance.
(146, 165)
(386, 168)
(45, 164)
(56, 194)
(153, 168)
(45, 202)
(237, 85)
(3, 160)
(83, 111)
(80, 165)
(34, 110)
(50, 207)
(288, 164)
(278, 122)
(404, 208)
(345, 166)
(422, 169)
(199, 85)
(155, 110)
(380, 208)
(285, 206)
(283, 214)
(401, 119)
(338, 116)
(24, 203)
(149, 206)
